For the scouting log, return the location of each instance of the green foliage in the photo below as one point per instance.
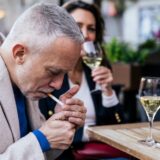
(117, 51)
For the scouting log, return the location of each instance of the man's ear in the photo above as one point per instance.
(19, 53)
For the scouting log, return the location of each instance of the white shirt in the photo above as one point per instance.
(84, 95)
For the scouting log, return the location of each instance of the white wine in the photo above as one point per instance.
(151, 104)
(92, 62)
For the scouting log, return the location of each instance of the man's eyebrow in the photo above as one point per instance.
(56, 70)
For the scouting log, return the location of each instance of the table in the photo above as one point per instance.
(125, 138)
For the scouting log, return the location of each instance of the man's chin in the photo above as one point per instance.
(35, 97)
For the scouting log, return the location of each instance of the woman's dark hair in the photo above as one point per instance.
(75, 4)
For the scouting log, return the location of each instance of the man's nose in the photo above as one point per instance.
(56, 83)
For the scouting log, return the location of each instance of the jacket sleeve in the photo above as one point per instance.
(105, 116)
(28, 148)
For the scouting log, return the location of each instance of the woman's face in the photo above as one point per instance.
(87, 23)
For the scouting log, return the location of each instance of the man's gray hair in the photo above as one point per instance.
(41, 23)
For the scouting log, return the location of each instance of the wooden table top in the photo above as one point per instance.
(125, 138)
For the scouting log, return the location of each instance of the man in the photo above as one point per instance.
(43, 44)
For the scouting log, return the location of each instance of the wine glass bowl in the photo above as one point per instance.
(149, 96)
(92, 56)
(151, 104)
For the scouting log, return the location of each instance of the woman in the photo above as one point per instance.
(102, 106)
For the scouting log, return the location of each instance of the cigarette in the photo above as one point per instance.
(55, 99)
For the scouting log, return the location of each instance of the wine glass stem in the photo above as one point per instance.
(95, 89)
(150, 126)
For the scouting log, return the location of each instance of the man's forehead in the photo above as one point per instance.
(65, 43)
(66, 52)
(62, 55)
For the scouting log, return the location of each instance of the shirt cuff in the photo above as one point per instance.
(110, 101)
(85, 137)
(45, 146)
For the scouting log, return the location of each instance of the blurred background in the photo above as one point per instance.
(131, 42)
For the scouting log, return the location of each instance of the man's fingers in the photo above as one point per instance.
(74, 101)
(64, 115)
(59, 116)
(75, 108)
(77, 121)
(70, 93)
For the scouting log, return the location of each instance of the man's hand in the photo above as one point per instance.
(60, 128)
(59, 133)
(73, 109)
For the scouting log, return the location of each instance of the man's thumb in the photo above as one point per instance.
(70, 93)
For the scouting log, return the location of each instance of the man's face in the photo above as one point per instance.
(41, 73)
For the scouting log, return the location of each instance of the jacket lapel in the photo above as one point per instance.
(35, 116)
(7, 101)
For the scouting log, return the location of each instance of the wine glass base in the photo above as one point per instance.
(157, 145)
(148, 141)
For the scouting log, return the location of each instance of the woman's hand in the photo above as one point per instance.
(103, 76)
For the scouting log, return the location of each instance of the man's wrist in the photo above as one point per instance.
(45, 146)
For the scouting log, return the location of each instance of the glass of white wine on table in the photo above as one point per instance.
(92, 55)
(149, 96)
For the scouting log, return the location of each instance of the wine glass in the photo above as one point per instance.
(92, 55)
(149, 95)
